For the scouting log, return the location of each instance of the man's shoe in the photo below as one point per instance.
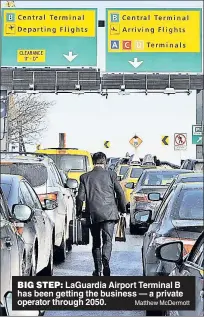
(95, 273)
(106, 271)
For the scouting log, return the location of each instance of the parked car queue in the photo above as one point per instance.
(166, 205)
(37, 205)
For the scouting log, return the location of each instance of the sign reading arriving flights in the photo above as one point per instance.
(154, 40)
(180, 141)
(135, 141)
(49, 37)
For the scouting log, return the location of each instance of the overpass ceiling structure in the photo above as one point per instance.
(92, 80)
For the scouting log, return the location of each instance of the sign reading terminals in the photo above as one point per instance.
(49, 37)
(154, 40)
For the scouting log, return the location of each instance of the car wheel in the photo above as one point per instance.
(128, 208)
(60, 254)
(48, 270)
(132, 228)
(69, 245)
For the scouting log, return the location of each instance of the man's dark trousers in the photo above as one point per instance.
(104, 229)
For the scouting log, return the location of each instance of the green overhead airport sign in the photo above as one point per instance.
(49, 37)
(154, 40)
(197, 134)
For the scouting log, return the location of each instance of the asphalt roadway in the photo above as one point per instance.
(125, 260)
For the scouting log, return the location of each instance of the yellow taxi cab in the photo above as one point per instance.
(74, 162)
(129, 180)
(121, 170)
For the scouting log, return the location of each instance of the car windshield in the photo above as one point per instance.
(6, 189)
(136, 172)
(123, 170)
(35, 173)
(114, 160)
(158, 178)
(189, 205)
(198, 166)
(70, 162)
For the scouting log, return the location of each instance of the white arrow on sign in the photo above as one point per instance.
(70, 57)
(135, 63)
(199, 139)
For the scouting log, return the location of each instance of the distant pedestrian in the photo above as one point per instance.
(100, 189)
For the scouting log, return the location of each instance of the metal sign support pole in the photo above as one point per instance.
(4, 120)
(199, 119)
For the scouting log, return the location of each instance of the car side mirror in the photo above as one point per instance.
(72, 183)
(170, 252)
(144, 216)
(50, 204)
(154, 196)
(22, 213)
(130, 185)
(11, 312)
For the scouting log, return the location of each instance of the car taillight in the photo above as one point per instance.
(141, 197)
(50, 196)
(187, 243)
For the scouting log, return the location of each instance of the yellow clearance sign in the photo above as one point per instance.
(154, 30)
(49, 23)
(31, 56)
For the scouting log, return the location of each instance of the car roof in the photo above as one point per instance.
(191, 175)
(9, 179)
(164, 170)
(195, 160)
(28, 158)
(196, 185)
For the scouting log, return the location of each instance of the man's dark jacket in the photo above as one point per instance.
(99, 189)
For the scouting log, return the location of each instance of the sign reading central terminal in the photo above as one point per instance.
(49, 23)
(60, 37)
(154, 40)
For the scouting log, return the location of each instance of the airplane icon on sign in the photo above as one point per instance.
(10, 29)
(114, 29)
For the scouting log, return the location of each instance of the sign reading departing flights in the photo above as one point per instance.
(154, 40)
(49, 37)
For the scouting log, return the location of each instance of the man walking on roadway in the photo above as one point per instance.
(100, 189)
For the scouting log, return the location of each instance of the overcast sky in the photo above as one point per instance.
(89, 120)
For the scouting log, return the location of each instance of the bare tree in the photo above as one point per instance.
(27, 119)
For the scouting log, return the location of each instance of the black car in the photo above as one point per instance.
(151, 180)
(38, 232)
(191, 265)
(180, 217)
(188, 177)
